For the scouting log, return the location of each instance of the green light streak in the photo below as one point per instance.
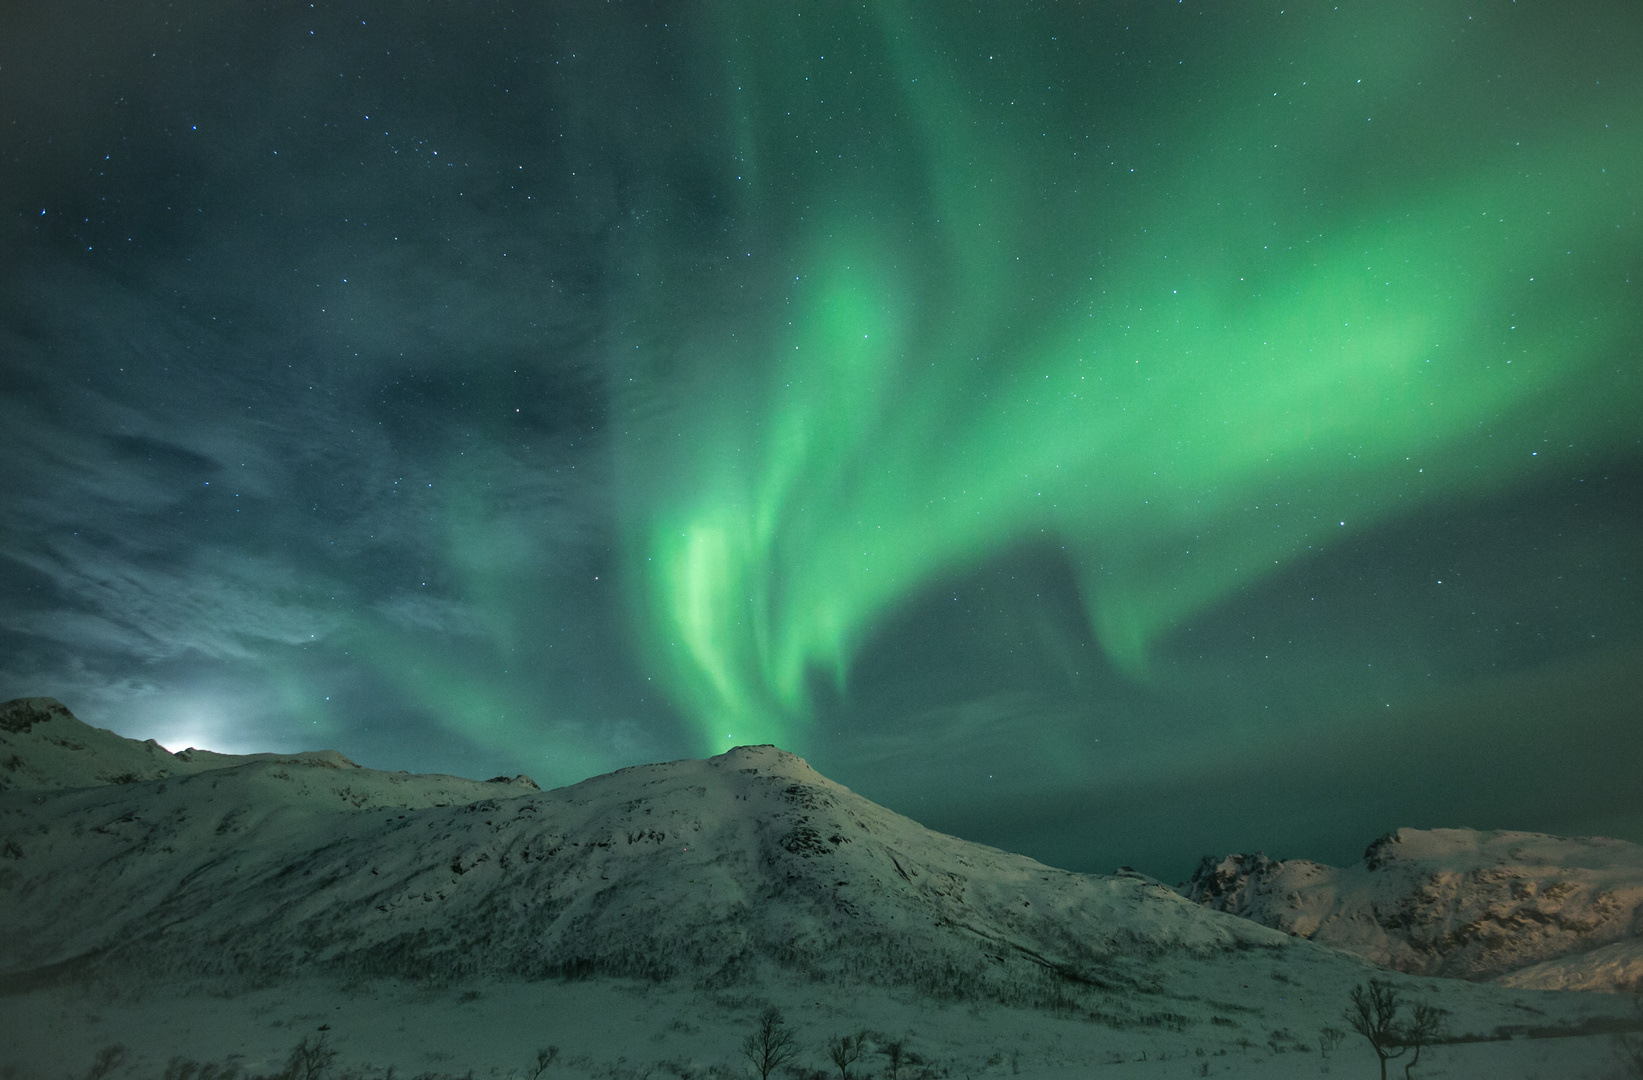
(1190, 378)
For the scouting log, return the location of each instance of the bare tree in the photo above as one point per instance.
(308, 1061)
(896, 1053)
(1328, 1039)
(1421, 1031)
(107, 1060)
(544, 1058)
(1374, 1015)
(844, 1051)
(771, 1045)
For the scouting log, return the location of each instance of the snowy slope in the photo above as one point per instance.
(721, 871)
(224, 905)
(1524, 909)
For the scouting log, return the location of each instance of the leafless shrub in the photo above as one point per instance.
(180, 1068)
(895, 1052)
(544, 1058)
(1421, 1031)
(309, 1059)
(771, 1045)
(107, 1060)
(844, 1051)
(1373, 1013)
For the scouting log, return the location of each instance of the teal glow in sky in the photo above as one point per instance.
(1262, 301)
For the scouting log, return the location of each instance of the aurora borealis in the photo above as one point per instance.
(1055, 421)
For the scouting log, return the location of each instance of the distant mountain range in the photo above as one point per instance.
(1521, 909)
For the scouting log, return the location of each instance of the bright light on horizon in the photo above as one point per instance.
(193, 723)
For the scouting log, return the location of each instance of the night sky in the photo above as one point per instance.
(1111, 431)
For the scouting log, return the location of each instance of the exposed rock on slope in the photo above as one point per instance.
(717, 871)
(1522, 909)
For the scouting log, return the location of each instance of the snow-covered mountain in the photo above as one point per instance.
(202, 903)
(1522, 909)
(745, 865)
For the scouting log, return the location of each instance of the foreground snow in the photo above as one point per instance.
(625, 1030)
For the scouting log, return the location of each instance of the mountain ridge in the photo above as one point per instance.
(746, 865)
(1521, 909)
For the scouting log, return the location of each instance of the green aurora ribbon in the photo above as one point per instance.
(987, 282)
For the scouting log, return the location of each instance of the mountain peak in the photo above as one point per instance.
(19, 715)
(766, 757)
